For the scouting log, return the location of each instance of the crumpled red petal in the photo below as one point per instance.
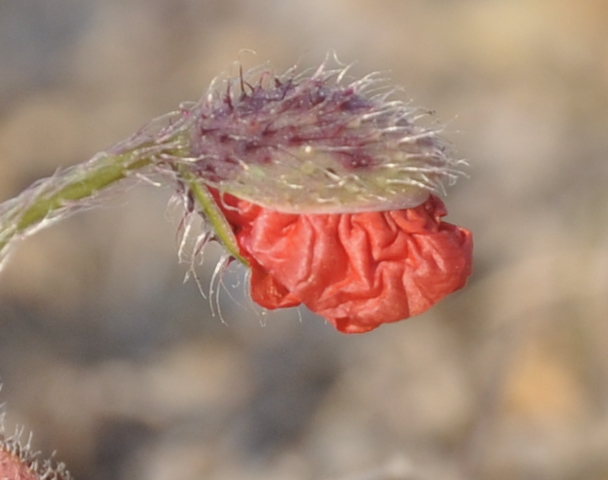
(358, 270)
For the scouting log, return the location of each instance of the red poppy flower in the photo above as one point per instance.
(358, 270)
(329, 190)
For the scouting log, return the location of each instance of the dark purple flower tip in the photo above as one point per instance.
(316, 143)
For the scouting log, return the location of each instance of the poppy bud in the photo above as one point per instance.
(330, 194)
(308, 144)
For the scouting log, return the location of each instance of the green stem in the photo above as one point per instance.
(62, 194)
(214, 215)
(84, 186)
(72, 189)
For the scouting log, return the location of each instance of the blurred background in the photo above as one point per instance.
(121, 368)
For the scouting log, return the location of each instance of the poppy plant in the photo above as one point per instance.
(325, 187)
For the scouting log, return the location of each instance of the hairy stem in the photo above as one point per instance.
(64, 193)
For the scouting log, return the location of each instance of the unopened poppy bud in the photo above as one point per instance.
(311, 144)
(328, 194)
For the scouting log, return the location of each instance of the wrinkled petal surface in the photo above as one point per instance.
(358, 270)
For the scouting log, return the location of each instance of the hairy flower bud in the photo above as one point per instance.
(303, 143)
(328, 194)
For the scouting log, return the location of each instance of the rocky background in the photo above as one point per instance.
(121, 368)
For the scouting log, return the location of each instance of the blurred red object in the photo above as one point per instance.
(13, 467)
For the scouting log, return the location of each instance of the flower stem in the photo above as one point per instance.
(62, 194)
